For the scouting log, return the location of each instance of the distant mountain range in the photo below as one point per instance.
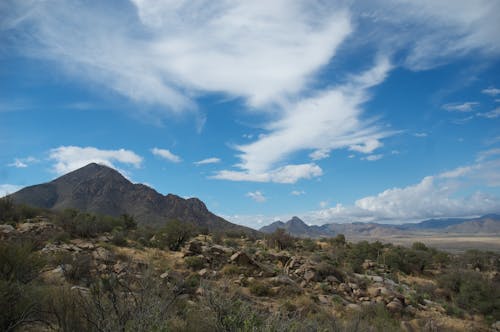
(488, 224)
(100, 189)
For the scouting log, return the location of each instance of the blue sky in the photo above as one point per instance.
(383, 111)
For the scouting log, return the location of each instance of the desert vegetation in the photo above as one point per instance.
(74, 271)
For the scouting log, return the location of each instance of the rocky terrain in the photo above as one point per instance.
(128, 279)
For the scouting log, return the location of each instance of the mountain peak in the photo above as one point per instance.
(296, 220)
(101, 189)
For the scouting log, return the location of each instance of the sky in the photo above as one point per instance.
(335, 111)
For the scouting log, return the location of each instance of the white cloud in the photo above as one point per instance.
(457, 172)
(461, 107)
(373, 157)
(166, 154)
(285, 174)
(433, 197)
(367, 147)
(420, 135)
(432, 32)
(69, 158)
(328, 120)
(257, 196)
(164, 52)
(212, 160)
(491, 114)
(22, 162)
(297, 192)
(18, 164)
(462, 121)
(491, 91)
(323, 204)
(319, 154)
(7, 189)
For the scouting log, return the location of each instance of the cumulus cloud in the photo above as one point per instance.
(460, 107)
(297, 192)
(166, 154)
(7, 189)
(432, 197)
(491, 91)
(420, 135)
(69, 158)
(257, 196)
(212, 160)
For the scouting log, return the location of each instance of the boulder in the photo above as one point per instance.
(394, 306)
(309, 276)
(6, 229)
(203, 272)
(241, 258)
(353, 307)
(55, 276)
(82, 244)
(104, 255)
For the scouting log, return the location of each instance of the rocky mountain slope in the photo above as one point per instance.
(102, 190)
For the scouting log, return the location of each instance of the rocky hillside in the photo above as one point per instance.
(102, 190)
(213, 283)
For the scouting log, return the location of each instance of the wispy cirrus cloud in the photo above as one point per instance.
(326, 121)
(461, 107)
(212, 160)
(70, 158)
(493, 114)
(491, 91)
(22, 162)
(270, 55)
(166, 154)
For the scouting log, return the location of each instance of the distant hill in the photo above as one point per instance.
(298, 228)
(100, 189)
(488, 224)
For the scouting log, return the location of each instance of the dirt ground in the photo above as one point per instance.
(450, 243)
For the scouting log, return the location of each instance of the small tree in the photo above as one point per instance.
(280, 239)
(174, 235)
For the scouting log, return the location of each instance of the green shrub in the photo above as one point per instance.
(473, 292)
(195, 262)
(18, 262)
(280, 239)
(173, 235)
(260, 288)
(119, 238)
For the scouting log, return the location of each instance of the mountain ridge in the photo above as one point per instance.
(100, 189)
(487, 224)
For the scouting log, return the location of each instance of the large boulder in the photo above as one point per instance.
(242, 259)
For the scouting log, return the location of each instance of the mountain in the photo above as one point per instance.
(297, 227)
(488, 224)
(102, 190)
